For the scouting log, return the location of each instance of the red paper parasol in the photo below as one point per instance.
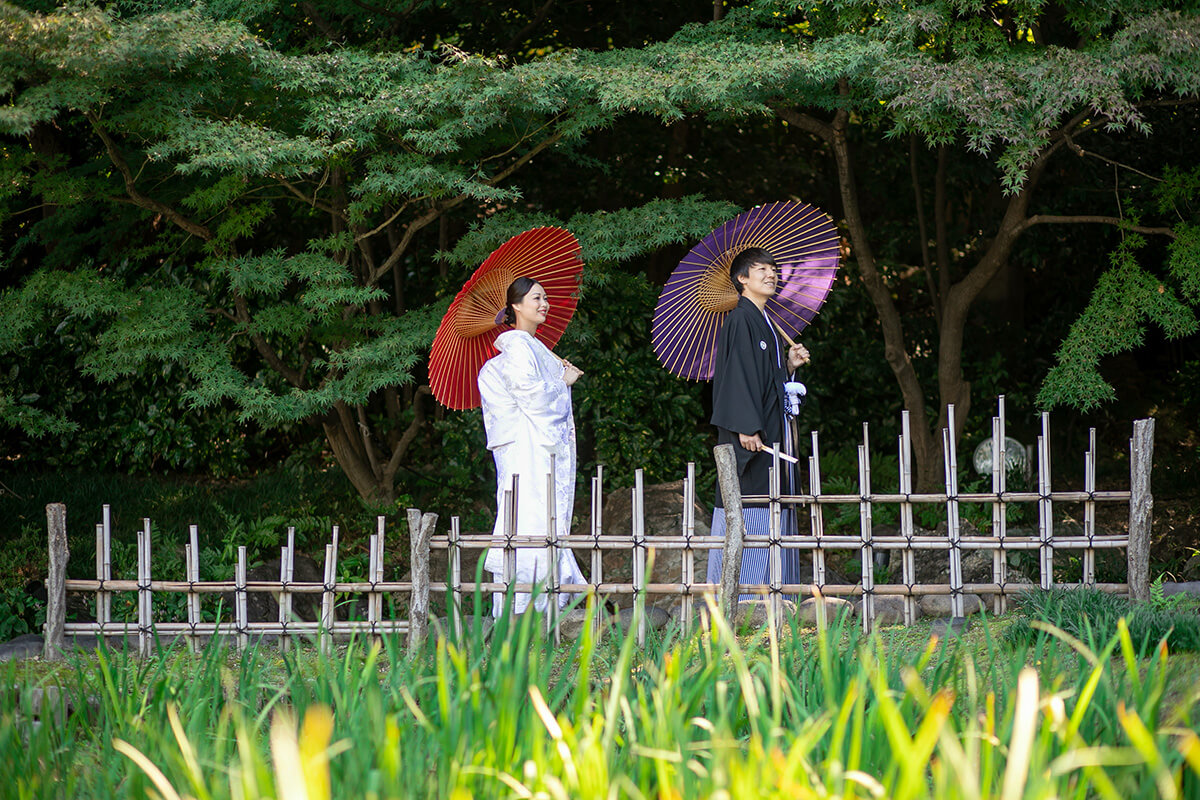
(698, 295)
(464, 340)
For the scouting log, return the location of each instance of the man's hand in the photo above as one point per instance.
(797, 355)
(752, 443)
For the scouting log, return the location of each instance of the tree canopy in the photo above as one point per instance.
(279, 200)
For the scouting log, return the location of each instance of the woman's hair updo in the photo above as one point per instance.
(516, 293)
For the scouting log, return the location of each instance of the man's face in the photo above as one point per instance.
(760, 282)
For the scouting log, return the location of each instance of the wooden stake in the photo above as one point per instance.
(735, 526)
(56, 582)
(1141, 508)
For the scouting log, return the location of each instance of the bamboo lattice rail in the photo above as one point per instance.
(424, 539)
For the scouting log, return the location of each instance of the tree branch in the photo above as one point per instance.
(139, 199)
(364, 431)
(1079, 151)
(264, 348)
(312, 201)
(922, 231)
(410, 433)
(410, 230)
(1045, 219)
(804, 122)
(941, 236)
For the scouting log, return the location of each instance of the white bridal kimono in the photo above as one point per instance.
(527, 416)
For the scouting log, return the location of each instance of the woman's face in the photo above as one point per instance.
(532, 309)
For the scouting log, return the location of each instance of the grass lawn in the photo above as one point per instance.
(719, 713)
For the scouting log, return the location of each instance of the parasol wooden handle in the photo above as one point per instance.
(786, 338)
(783, 333)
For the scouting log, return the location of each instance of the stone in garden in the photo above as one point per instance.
(1181, 587)
(27, 645)
(950, 626)
(807, 611)
(755, 614)
(889, 609)
(571, 624)
(264, 606)
(938, 605)
(663, 513)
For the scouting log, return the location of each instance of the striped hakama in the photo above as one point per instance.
(756, 564)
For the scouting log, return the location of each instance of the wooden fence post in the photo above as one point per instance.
(420, 529)
(735, 528)
(56, 586)
(1141, 506)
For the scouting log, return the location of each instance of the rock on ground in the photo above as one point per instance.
(808, 610)
(938, 605)
(889, 609)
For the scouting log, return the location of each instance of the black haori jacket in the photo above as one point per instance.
(748, 396)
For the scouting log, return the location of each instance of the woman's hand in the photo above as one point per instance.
(571, 372)
(797, 355)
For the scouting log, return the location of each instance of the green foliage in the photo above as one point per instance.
(1092, 617)
(631, 413)
(1174, 602)
(1127, 297)
(487, 716)
(605, 237)
(254, 196)
(20, 613)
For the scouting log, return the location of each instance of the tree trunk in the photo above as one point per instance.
(956, 298)
(374, 482)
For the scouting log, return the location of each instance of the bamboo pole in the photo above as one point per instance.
(597, 553)
(375, 598)
(328, 596)
(192, 567)
(106, 575)
(816, 515)
(510, 531)
(866, 531)
(552, 553)
(145, 593)
(774, 532)
(286, 575)
(686, 607)
(456, 606)
(1045, 507)
(999, 508)
(239, 601)
(1089, 509)
(229, 629)
(953, 529)
(639, 556)
(907, 560)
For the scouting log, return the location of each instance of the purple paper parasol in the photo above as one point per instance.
(698, 295)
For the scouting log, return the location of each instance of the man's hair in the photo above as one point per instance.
(743, 261)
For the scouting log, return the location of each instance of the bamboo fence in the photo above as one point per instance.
(423, 540)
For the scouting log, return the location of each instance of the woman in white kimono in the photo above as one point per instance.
(526, 392)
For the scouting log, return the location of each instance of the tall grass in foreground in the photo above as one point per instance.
(831, 714)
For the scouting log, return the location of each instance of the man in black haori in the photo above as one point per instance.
(749, 410)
